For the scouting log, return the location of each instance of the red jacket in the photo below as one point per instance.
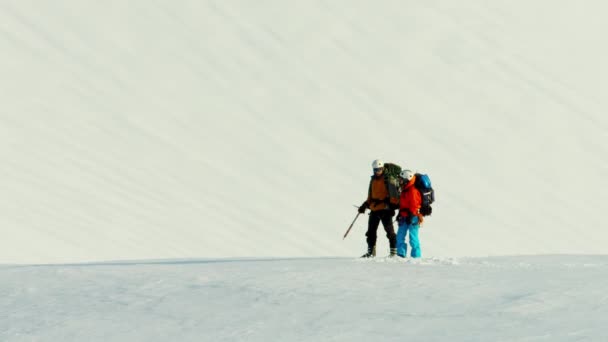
(410, 201)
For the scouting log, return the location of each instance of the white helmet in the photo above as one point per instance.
(407, 175)
(378, 163)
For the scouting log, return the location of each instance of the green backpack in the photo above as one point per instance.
(392, 171)
(391, 174)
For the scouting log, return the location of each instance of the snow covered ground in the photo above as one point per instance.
(214, 151)
(540, 298)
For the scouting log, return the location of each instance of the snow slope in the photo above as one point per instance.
(207, 129)
(166, 166)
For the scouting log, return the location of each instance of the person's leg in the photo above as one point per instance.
(372, 228)
(414, 240)
(401, 245)
(387, 222)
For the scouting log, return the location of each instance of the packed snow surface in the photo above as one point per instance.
(527, 298)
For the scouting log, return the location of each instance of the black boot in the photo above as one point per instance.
(393, 252)
(371, 252)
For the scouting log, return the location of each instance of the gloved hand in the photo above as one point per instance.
(362, 208)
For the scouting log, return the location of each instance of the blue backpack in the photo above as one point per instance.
(423, 184)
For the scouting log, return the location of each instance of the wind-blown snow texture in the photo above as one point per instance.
(228, 130)
(234, 129)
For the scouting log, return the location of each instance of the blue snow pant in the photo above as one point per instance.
(412, 228)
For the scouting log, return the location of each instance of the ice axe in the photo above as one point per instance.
(351, 225)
